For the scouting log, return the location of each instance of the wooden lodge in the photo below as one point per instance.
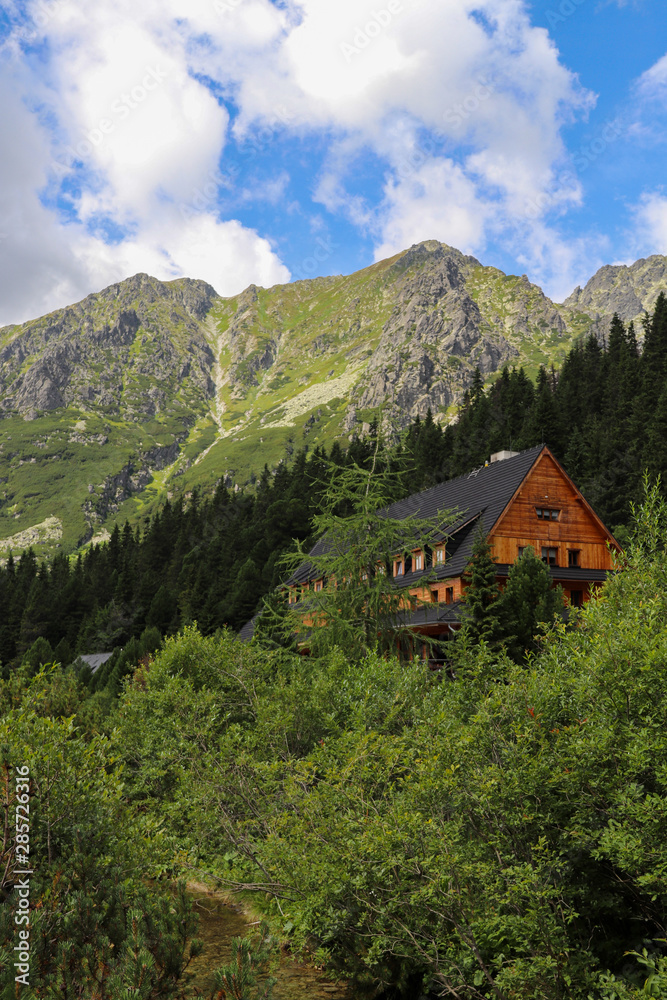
(518, 499)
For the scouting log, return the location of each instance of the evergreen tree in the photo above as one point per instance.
(358, 600)
(542, 424)
(654, 354)
(39, 654)
(527, 601)
(655, 448)
(480, 599)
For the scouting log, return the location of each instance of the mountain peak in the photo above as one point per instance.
(627, 289)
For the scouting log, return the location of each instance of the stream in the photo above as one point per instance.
(220, 921)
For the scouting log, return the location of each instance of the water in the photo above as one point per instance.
(219, 922)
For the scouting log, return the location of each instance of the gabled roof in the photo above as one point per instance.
(95, 660)
(479, 498)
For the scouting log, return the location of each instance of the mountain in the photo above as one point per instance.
(147, 388)
(626, 290)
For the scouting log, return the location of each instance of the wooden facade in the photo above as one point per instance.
(518, 500)
(548, 513)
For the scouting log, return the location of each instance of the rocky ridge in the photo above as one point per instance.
(132, 349)
(416, 325)
(628, 290)
(147, 388)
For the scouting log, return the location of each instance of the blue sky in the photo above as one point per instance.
(245, 141)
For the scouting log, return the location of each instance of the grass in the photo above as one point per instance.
(324, 330)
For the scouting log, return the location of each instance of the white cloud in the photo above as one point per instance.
(464, 102)
(650, 217)
(120, 88)
(226, 254)
(126, 98)
(271, 190)
(556, 263)
(118, 94)
(653, 83)
(438, 202)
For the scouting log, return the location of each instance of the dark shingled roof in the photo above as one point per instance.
(479, 498)
(248, 629)
(95, 660)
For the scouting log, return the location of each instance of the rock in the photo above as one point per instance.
(105, 349)
(626, 290)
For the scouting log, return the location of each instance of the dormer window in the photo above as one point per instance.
(439, 555)
(547, 513)
(318, 586)
(399, 567)
(417, 561)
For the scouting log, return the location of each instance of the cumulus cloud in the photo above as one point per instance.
(463, 102)
(439, 199)
(653, 83)
(112, 142)
(121, 120)
(650, 216)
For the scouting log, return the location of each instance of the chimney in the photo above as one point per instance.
(500, 456)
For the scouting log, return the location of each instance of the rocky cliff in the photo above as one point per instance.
(627, 290)
(148, 388)
(133, 349)
(406, 334)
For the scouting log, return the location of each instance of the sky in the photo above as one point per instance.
(265, 141)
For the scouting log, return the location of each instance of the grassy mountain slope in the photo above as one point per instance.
(148, 389)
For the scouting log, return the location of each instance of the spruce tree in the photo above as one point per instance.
(527, 601)
(542, 424)
(481, 619)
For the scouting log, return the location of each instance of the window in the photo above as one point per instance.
(522, 549)
(398, 567)
(417, 561)
(576, 598)
(318, 585)
(573, 558)
(435, 596)
(439, 556)
(449, 595)
(549, 556)
(547, 513)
